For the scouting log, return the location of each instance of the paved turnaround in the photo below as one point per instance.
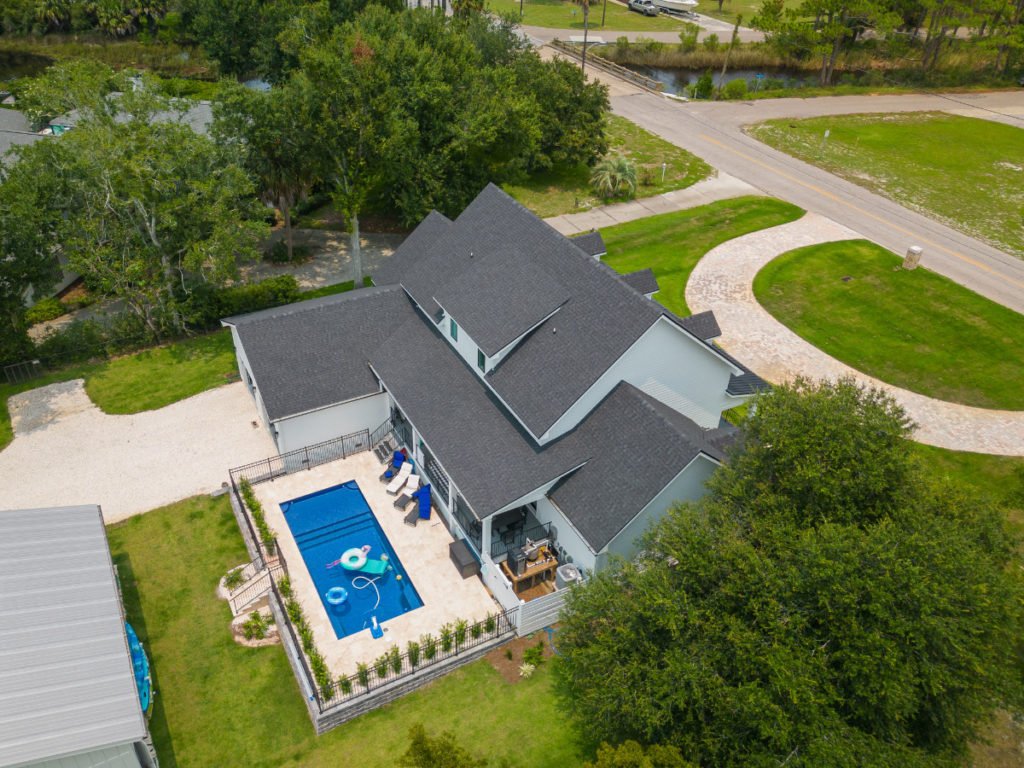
(713, 131)
(722, 281)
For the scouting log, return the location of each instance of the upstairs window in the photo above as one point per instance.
(481, 360)
(453, 329)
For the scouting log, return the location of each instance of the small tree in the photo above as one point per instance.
(441, 751)
(631, 754)
(614, 176)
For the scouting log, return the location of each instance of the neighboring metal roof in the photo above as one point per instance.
(491, 312)
(638, 445)
(197, 115)
(591, 244)
(313, 354)
(643, 281)
(703, 325)
(11, 139)
(66, 679)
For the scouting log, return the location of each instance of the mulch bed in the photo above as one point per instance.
(509, 668)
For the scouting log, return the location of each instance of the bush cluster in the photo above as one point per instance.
(256, 626)
(48, 309)
(256, 509)
(317, 665)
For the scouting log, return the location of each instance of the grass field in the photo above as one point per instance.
(925, 161)
(914, 329)
(671, 244)
(567, 189)
(731, 8)
(563, 14)
(220, 704)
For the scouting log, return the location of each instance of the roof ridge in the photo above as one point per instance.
(310, 305)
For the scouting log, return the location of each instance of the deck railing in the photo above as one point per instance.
(302, 458)
(516, 539)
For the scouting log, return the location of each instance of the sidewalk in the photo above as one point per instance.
(720, 187)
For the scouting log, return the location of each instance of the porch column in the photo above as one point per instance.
(485, 543)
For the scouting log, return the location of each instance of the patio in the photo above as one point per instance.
(423, 551)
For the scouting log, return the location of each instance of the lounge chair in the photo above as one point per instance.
(400, 479)
(397, 460)
(384, 449)
(423, 497)
(408, 492)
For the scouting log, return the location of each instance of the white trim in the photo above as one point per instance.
(504, 350)
(647, 503)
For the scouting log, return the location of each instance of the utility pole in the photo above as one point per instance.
(732, 44)
(604, 11)
(586, 20)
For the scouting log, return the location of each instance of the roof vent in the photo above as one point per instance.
(554, 330)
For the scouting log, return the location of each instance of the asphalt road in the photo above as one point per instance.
(714, 132)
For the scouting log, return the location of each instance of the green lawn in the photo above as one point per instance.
(926, 161)
(671, 244)
(563, 14)
(914, 329)
(730, 8)
(567, 189)
(220, 704)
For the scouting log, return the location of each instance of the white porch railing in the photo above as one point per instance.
(540, 612)
(498, 584)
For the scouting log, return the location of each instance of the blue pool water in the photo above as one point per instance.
(326, 524)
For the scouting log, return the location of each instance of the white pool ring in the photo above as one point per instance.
(353, 559)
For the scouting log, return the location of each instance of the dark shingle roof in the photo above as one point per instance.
(703, 325)
(481, 302)
(638, 445)
(312, 354)
(488, 456)
(559, 360)
(745, 383)
(643, 281)
(591, 244)
(414, 247)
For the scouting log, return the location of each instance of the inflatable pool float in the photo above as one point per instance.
(336, 595)
(354, 559)
(140, 666)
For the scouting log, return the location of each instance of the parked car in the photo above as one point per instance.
(646, 7)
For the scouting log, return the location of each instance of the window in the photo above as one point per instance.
(481, 360)
(453, 329)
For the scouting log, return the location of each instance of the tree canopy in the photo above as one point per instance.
(871, 621)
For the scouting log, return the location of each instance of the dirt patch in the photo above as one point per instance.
(41, 407)
(507, 667)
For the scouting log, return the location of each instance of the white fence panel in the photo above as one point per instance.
(539, 613)
(499, 586)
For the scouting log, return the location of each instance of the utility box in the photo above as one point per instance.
(566, 575)
(913, 257)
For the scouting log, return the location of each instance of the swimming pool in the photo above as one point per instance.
(326, 525)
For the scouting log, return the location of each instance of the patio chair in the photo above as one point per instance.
(417, 513)
(397, 460)
(408, 492)
(384, 449)
(400, 479)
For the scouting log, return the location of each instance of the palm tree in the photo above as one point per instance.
(614, 176)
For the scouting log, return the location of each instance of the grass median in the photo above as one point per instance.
(913, 329)
(964, 171)
(671, 244)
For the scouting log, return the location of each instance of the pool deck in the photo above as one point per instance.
(423, 551)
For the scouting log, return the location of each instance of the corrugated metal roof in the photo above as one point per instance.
(66, 679)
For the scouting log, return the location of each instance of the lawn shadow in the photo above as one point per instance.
(583, 740)
(158, 729)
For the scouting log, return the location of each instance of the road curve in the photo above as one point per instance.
(714, 132)
(723, 282)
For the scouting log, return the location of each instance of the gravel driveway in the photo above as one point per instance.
(67, 451)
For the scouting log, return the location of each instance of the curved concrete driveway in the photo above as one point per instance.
(66, 451)
(723, 282)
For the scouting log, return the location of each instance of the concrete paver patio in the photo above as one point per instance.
(423, 551)
(722, 281)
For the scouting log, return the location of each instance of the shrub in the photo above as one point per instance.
(278, 253)
(508, 654)
(476, 630)
(534, 655)
(621, 44)
(705, 86)
(735, 89)
(381, 666)
(234, 577)
(688, 37)
(345, 685)
(526, 670)
(47, 309)
(395, 657)
(413, 652)
(284, 586)
(256, 509)
(647, 176)
(772, 84)
(294, 611)
(614, 176)
(491, 624)
(363, 674)
(446, 638)
(255, 627)
(250, 297)
(306, 638)
(429, 645)
(460, 632)
(710, 43)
